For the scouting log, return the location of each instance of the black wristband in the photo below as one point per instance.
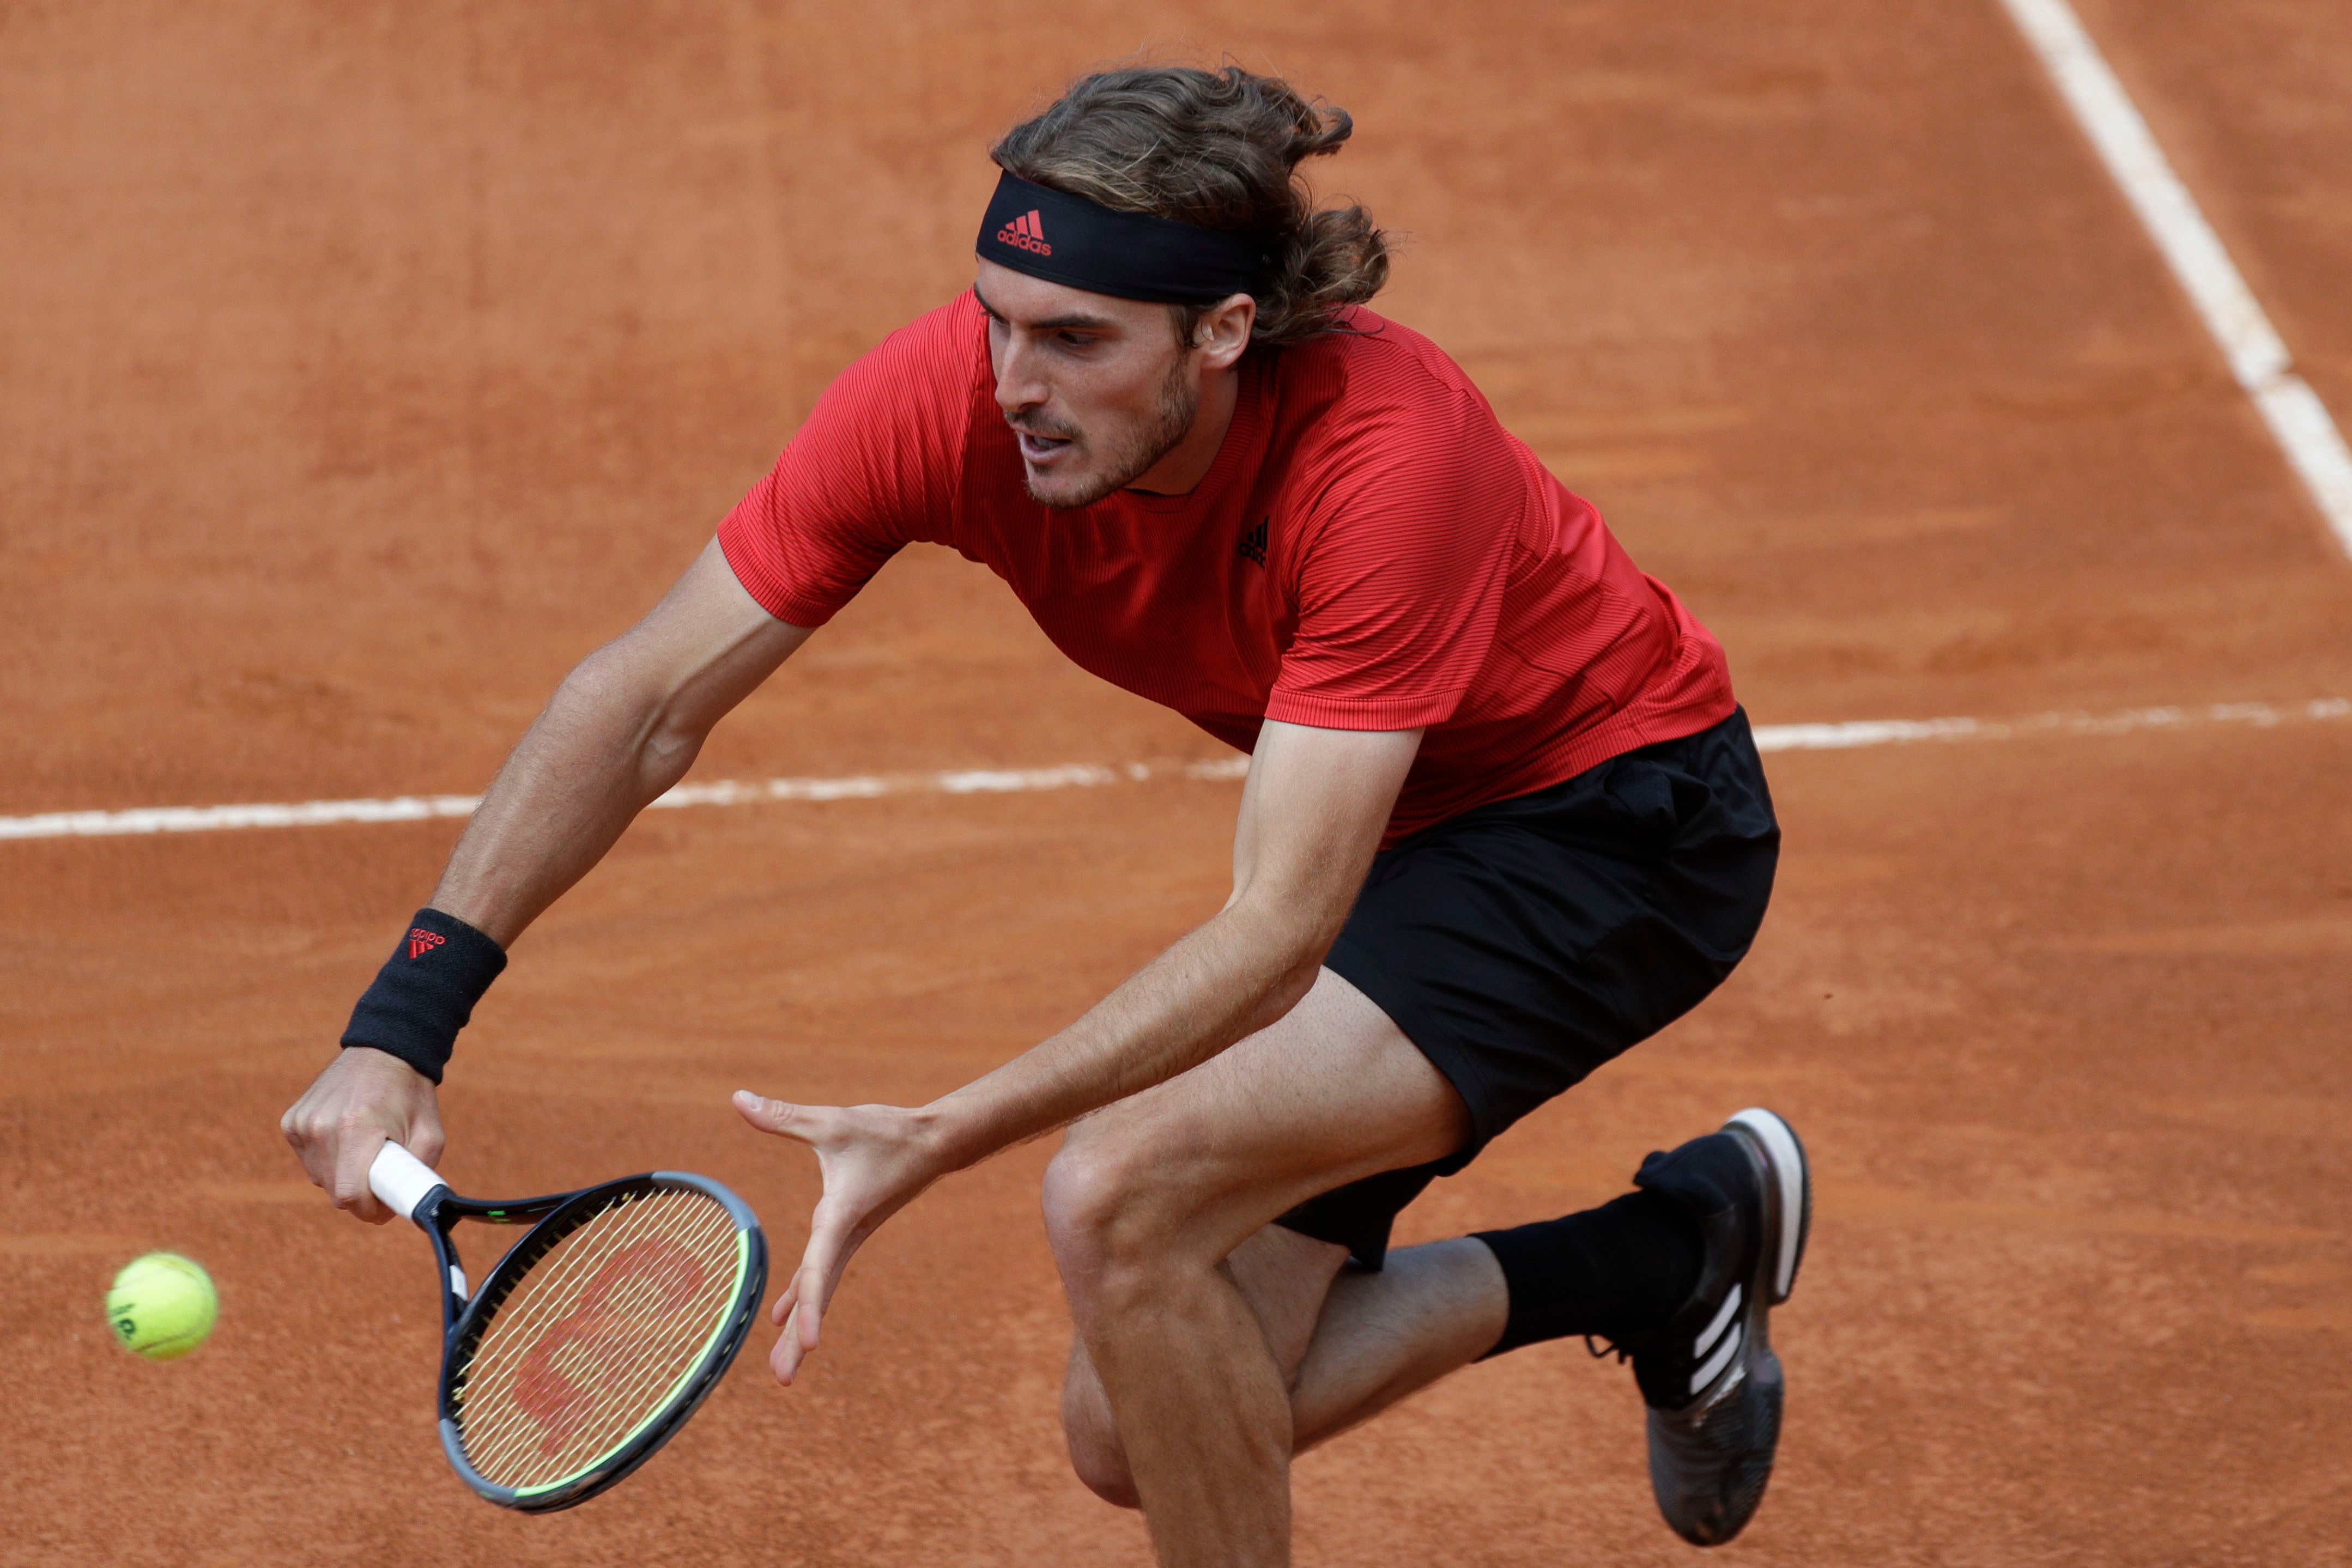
(425, 992)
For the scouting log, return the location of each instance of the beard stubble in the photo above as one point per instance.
(1177, 405)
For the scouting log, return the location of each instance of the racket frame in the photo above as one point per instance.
(465, 1315)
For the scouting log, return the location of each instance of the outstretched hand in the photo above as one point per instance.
(873, 1160)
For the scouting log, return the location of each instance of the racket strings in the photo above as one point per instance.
(582, 1357)
(595, 1334)
(596, 1346)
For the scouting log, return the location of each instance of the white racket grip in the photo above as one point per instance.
(400, 1179)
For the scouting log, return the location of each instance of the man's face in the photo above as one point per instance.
(1095, 388)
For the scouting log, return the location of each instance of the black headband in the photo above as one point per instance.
(1068, 240)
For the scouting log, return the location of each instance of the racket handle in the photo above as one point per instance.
(401, 1180)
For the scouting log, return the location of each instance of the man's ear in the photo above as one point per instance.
(1225, 332)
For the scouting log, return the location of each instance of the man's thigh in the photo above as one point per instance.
(1332, 1091)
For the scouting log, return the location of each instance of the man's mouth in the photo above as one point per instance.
(1041, 449)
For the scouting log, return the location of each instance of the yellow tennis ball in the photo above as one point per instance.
(162, 1305)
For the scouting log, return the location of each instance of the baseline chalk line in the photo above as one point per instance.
(1895, 732)
(1842, 737)
(2257, 355)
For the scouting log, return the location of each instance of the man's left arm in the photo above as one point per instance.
(1312, 814)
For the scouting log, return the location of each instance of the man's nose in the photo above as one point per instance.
(1017, 386)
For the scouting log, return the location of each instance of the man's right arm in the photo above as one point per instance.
(622, 728)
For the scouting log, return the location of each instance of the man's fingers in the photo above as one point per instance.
(811, 1288)
(355, 1151)
(803, 1303)
(318, 1162)
(791, 1347)
(800, 1311)
(299, 1128)
(357, 1102)
(827, 1253)
(871, 1159)
(781, 1117)
(784, 1361)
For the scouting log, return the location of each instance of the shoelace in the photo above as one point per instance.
(1605, 1349)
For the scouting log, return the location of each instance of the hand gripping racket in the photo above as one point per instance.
(597, 1335)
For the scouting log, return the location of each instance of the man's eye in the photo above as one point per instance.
(1078, 340)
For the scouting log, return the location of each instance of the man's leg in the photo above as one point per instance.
(1282, 1275)
(1431, 1310)
(1147, 1206)
(1348, 1344)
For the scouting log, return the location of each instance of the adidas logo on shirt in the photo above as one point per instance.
(1253, 543)
(1026, 232)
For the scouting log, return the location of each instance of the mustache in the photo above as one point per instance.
(1039, 424)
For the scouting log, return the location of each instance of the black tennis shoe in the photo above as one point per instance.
(1709, 1377)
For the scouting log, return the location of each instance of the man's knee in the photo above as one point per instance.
(1112, 1213)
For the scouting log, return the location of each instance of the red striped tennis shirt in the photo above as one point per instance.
(1369, 550)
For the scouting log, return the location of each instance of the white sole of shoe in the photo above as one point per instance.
(1787, 1158)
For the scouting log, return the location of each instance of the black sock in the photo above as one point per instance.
(1616, 1271)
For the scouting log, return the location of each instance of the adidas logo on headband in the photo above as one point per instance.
(1128, 256)
(1026, 232)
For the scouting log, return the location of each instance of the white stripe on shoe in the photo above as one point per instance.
(1720, 1359)
(1723, 1315)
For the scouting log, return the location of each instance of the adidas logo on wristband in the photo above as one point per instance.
(413, 1010)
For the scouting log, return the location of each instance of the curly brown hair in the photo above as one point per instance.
(1219, 149)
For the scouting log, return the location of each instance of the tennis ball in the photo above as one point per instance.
(162, 1305)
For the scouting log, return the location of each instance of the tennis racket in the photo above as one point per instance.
(597, 1335)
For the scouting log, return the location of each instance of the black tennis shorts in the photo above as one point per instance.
(1522, 944)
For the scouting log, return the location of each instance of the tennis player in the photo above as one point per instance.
(1503, 821)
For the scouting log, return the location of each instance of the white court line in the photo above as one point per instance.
(2257, 356)
(1085, 775)
(719, 793)
(1895, 732)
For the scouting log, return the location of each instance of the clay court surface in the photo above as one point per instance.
(364, 367)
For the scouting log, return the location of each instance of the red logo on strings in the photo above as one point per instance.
(421, 941)
(622, 1311)
(1026, 232)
